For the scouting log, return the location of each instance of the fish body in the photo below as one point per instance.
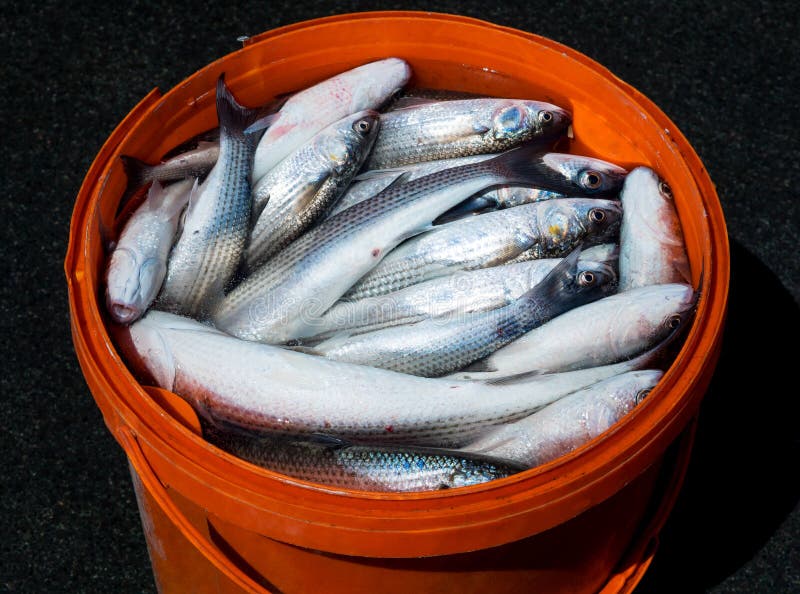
(285, 298)
(366, 467)
(192, 163)
(614, 328)
(652, 249)
(257, 387)
(567, 424)
(299, 189)
(446, 129)
(307, 112)
(434, 347)
(217, 220)
(543, 230)
(453, 295)
(138, 264)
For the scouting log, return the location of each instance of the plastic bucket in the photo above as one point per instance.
(586, 522)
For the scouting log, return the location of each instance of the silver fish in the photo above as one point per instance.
(437, 346)
(307, 112)
(652, 250)
(298, 190)
(399, 469)
(138, 264)
(569, 423)
(614, 328)
(285, 298)
(259, 387)
(452, 295)
(445, 129)
(543, 229)
(216, 222)
(192, 163)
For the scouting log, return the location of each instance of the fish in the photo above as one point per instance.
(190, 164)
(217, 219)
(253, 387)
(331, 461)
(437, 346)
(299, 189)
(611, 329)
(652, 248)
(138, 263)
(308, 111)
(543, 230)
(446, 129)
(284, 298)
(452, 295)
(568, 423)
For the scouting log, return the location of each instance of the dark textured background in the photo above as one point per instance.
(727, 76)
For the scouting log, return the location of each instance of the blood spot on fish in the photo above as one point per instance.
(327, 424)
(454, 387)
(389, 428)
(376, 252)
(500, 332)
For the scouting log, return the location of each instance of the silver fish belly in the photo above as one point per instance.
(216, 222)
(299, 189)
(138, 264)
(569, 423)
(652, 250)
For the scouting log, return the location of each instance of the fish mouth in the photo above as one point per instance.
(123, 313)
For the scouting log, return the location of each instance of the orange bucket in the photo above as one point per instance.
(586, 522)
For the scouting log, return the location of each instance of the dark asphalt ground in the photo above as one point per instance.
(725, 73)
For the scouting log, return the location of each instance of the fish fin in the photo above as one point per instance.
(306, 350)
(471, 206)
(234, 118)
(481, 365)
(204, 145)
(106, 236)
(418, 231)
(190, 202)
(683, 268)
(137, 171)
(262, 123)
(379, 173)
(517, 378)
(328, 440)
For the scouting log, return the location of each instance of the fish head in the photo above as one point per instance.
(625, 391)
(347, 147)
(586, 175)
(547, 120)
(131, 284)
(145, 348)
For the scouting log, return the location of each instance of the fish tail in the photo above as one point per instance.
(138, 172)
(234, 118)
(524, 165)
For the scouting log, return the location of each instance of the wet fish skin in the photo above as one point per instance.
(365, 467)
(436, 346)
(539, 230)
(299, 189)
(652, 248)
(217, 220)
(257, 388)
(138, 264)
(284, 298)
(192, 163)
(446, 129)
(568, 423)
(612, 329)
(307, 112)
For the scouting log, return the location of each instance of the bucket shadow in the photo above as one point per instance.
(742, 481)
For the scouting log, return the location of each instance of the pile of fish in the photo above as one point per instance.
(396, 289)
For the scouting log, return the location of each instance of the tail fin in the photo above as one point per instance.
(234, 118)
(138, 172)
(524, 165)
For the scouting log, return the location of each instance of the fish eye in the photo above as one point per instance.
(641, 395)
(587, 278)
(664, 188)
(362, 126)
(591, 180)
(597, 215)
(673, 321)
(545, 117)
